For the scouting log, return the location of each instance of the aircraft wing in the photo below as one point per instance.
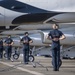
(67, 17)
(18, 32)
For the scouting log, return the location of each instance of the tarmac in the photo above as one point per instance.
(41, 66)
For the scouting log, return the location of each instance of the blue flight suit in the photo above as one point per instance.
(1, 49)
(8, 47)
(55, 33)
(26, 48)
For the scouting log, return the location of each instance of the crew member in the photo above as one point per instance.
(55, 35)
(1, 48)
(8, 43)
(26, 40)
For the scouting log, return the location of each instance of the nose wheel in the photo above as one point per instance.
(5, 55)
(31, 58)
(15, 56)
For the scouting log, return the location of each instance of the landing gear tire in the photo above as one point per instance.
(15, 56)
(5, 55)
(60, 63)
(31, 58)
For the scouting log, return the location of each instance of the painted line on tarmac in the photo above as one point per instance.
(22, 69)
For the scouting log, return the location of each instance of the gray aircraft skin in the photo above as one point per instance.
(36, 12)
(17, 12)
(39, 36)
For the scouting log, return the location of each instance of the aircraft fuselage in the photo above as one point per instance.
(17, 12)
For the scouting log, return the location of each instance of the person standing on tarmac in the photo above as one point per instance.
(8, 43)
(26, 40)
(1, 48)
(55, 35)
